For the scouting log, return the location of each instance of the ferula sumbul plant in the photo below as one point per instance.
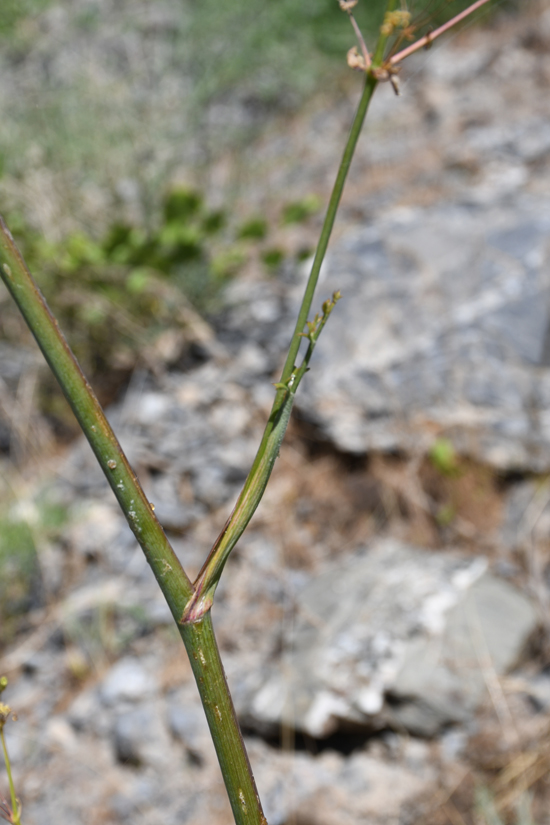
(191, 602)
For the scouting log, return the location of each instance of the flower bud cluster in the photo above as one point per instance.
(393, 21)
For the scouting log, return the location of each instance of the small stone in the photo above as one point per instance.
(395, 622)
(187, 723)
(60, 735)
(129, 736)
(127, 681)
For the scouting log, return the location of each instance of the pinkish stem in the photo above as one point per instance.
(366, 55)
(427, 39)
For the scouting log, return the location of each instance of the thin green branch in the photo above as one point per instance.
(256, 482)
(328, 224)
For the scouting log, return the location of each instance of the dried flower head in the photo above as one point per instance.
(395, 20)
(347, 5)
(356, 60)
(5, 711)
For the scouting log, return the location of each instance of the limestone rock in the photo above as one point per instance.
(396, 636)
(443, 328)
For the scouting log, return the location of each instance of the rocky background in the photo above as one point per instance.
(384, 621)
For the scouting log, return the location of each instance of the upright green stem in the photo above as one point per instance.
(198, 637)
(200, 642)
(328, 224)
(168, 571)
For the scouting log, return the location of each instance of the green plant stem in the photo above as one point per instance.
(14, 803)
(256, 482)
(199, 637)
(168, 571)
(328, 224)
(200, 642)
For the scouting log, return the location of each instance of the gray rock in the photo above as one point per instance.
(526, 516)
(15, 362)
(187, 723)
(441, 680)
(365, 787)
(537, 689)
(87, 712)
(444, 326)
(127, 681)
(131, 732)
(397, 636)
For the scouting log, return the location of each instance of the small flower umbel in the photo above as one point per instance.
(396, 28)
(8, 813)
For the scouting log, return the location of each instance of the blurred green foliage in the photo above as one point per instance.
(14, 11)
(20, 576)
(300, 211)
(107, 116)
(114, 296)
(443, 456)
(273, 257)
(18, 568)
(101, 123)
(104, 632)
(276, 42)
(253, 229)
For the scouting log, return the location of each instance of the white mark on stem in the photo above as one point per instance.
(7, 270)
(201, 656)
(167, 567)
(218, 713)
(111, 464)
(242, 800)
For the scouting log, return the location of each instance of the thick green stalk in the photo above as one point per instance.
(200, 642)
(165, 564)
(199, 637)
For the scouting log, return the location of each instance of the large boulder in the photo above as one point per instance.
(443, 329)
(396, 636)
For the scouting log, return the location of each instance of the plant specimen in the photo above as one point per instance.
(191, 602)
